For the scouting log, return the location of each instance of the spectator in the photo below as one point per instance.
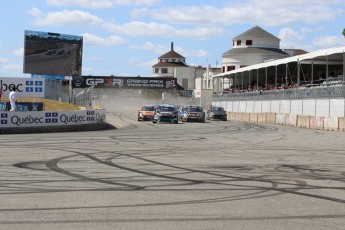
(12, 97)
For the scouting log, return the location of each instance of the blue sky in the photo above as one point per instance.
(125, 37)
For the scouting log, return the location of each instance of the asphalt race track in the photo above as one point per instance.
(213, 175)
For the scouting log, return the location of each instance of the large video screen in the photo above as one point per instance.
(52, 53)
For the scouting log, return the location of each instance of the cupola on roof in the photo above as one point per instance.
(256, 33)
(172, 54)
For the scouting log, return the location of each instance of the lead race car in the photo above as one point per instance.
(146, 112)
(167, 113)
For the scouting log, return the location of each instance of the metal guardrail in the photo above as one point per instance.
(300, 93)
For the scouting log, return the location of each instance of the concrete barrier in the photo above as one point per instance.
(253, 117)
(281, 118)
(271, 118)
(291, 119)
(341, 122)
(246, 117)
(303, 121)
(238, 117)
(316, 123)
(231, 116)
(262, 117)
(331, 123)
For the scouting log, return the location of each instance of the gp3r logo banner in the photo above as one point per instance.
(127, 82)
(25, 87)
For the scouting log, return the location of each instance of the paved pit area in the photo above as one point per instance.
(213, 175)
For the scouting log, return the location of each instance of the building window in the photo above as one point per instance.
(156, 70)
(229, 68)
(161, 60)
(164, 70)
(238, 42)
(223, 69)
(242, 66)
(249, 42)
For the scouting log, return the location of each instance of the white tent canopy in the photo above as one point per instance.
(320, 55)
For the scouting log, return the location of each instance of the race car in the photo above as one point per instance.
(192, 113)
(167, 113)
(146, 112)
(216, 112)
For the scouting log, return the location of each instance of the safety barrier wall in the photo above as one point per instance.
(271, 118)
(16, 122)
(312, 113)
(301, 121)
(316, 123)
(281, 119)
(253, 117)
(341, 123)
(330, 123)
(310, 107)
(245, 117)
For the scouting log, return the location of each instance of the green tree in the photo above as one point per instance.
(344, 32)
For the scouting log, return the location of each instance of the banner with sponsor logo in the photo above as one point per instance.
(125, 82)
(22, 106)
(51, 118)
(25, 87)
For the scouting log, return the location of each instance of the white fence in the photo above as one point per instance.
(334, 107)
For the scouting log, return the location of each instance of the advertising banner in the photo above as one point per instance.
(22, 106)
(25, 87)
(125, 82)
(51, 118)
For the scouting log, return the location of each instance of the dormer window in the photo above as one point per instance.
(238, 42)
(249, 42)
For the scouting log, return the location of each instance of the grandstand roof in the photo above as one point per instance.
(320, 56)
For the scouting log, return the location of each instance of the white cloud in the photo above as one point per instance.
(290, 38)
(138, 28)
(33, 11)
(66, 17)
(3, 60)
(253, 12)
(148, 46)
(147, 65)
(160, 49)
(100, 4)
(329, 41)
(18, 52)
(95, 58)
(196, 53)
(12, 68)
(108, 41)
